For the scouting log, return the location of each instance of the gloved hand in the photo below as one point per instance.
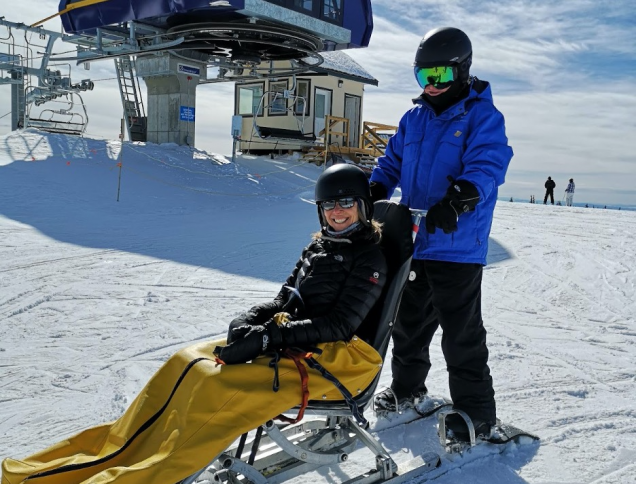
(255, 341)
(237, 332)
(461, 197)
(245, 320)
(378, 191)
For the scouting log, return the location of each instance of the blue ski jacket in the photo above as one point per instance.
(467, 142)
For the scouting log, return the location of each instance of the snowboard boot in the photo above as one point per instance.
(457, 425)
(389, 401)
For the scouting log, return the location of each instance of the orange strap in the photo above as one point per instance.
(297, 357)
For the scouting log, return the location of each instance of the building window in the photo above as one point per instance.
(277, 99)
(332, 10)
(328, 10)
(249, 99)
(304, 5)
(301, 107)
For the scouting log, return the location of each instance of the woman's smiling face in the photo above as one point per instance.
(340, 218)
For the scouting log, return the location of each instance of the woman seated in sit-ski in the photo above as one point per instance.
(197, 404)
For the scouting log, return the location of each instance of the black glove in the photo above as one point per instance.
(378, 191)
(461, 197)
(237, 332)
(257, 340)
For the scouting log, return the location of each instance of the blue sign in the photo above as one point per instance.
(186, 114)
(190, 70)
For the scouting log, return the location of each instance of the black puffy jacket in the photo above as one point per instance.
(339, 281)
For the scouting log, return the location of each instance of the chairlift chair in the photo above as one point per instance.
(279, 452)
(282, 135)
(61, 121)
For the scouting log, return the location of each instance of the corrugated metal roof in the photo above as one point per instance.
(339, 64)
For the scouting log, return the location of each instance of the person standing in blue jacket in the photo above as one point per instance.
(449, 156)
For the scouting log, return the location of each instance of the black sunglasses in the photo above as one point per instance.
(343, 202)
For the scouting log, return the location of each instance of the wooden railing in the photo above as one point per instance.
(372, 143)
(375, 137)
(330, 132)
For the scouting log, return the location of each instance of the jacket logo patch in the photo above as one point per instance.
(374, 278)
(458, 133)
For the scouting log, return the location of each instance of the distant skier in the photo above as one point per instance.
(569, 193)
(549, 191)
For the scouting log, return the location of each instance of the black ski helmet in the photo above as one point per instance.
(445, 46)
(341, 181)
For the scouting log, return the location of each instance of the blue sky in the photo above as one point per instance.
(562, 73)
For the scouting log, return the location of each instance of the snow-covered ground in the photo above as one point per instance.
(96, 293)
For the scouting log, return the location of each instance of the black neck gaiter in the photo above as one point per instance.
(457, 91)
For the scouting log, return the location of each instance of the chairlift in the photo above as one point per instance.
(282, 135)
(69, 120)
(225, 31)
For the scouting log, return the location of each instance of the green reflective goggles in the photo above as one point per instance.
(435, 76)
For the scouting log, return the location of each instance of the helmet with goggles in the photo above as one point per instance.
(343, 182)
(443, 57)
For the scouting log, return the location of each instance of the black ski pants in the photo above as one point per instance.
(549, 193)
(446, 294)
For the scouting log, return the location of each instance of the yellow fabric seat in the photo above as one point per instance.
(190, 411)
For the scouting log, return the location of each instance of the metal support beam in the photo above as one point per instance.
(17, 100)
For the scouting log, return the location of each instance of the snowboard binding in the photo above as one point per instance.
(500, 433)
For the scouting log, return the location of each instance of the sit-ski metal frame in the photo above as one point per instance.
(283, 452)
